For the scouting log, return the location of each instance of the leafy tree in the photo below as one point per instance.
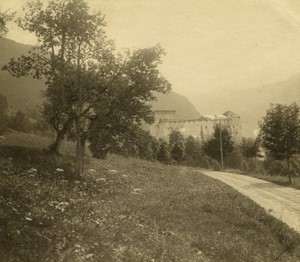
(176, 145)
(69, 37)
(212, 146)
(147, 145)
(163, 154)
(131, 142)
(175, 137)
(279, 132)
(88, 84)
(193, 148)
(177, 151)
(235, 159)
(4, 18)
(249, 147)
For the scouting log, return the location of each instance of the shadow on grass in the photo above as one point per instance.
(40, 162)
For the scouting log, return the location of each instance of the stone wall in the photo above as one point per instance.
(201, 128)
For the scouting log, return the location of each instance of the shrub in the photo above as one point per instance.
(163, 154)
(295, 165)
(189, 161)
(249, 147)
(277, 167)
(193, 150)
(177, 151)
(254, 166)
(235, 159)
(209, 163)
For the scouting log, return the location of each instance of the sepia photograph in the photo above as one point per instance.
(150, 130)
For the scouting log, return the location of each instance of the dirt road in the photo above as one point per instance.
(281, 202)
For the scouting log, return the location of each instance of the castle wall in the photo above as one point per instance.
(201, 128)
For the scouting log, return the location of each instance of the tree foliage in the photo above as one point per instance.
(163, 154)
(135, 142)
(175, 137)
(5, 17)
(279, 131)
(176, 145)
(249, 147)
(212, 147)
(177, 151)
(193, 148)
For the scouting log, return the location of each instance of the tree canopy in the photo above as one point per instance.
(5, 16)
(212, 147)
(279, 131)
(176, 145)
(193, 148)
(249, 147)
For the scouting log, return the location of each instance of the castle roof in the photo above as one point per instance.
(230, 114)
(215, 117)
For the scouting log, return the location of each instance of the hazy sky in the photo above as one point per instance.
(210, 44)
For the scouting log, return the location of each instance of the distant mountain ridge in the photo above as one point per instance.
(22, 92)
(10, 48)
(173, 101)
(25, 92)
(251, 103)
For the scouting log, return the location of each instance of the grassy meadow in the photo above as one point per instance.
(126, 209)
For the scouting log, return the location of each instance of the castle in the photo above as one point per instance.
(202, 128)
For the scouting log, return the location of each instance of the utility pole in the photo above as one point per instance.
(221, 146)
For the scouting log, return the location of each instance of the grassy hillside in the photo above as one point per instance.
(125, 209)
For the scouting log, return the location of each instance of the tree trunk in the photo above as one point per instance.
(289, 173)
(80, 151)
(54, 148)
(80, 145)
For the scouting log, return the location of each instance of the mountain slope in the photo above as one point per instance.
(250, 104)
(22, 92)
(25, 92)
(173, 101)
(10, 48)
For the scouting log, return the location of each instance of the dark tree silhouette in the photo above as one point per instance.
(212, 147)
